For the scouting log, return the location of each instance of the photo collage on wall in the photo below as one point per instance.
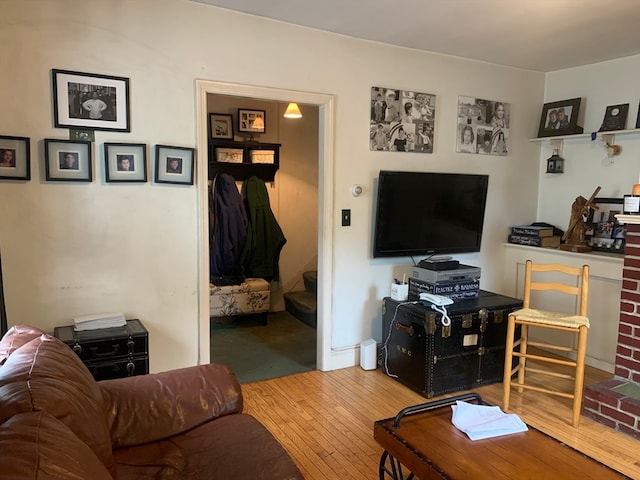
(483, 126)
(401, 121)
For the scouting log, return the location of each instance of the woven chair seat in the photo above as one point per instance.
(551, 318)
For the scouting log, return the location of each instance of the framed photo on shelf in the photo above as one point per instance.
(615, 118)
(67, 160)
(125, 162)
(91, 101)
(560, 118)
(604, 232)
(174, 164)
(15, 158)
(252, 121)
(221, 126)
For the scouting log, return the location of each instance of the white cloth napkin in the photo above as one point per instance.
(482, 421)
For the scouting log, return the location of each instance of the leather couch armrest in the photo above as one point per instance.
(148, 408)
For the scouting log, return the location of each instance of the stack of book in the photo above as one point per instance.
(536, 236)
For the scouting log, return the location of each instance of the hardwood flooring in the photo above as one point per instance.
(325, 420)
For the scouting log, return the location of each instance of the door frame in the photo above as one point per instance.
(325, 104)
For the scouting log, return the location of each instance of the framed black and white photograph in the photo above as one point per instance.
(401, 120)
(174, 164)
(483, 126)
(125, 162)
(15, 158)
(221, 126)
(604, 233)
(615, 118)
(90, 100)
(560, 118)
(67, 160)
(252, 121)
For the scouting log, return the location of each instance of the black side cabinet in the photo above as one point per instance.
(432, 359)
(110, 352)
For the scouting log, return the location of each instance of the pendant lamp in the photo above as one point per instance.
(293, 111)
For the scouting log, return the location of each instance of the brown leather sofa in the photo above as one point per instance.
(57, 422)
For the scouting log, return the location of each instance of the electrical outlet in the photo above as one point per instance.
(346, 218)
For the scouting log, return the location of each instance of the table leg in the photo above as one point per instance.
(393, 470)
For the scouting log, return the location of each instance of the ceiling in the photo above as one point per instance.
(541, 35)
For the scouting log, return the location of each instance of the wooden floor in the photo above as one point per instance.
(325, 420)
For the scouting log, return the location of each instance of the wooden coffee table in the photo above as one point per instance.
(423, 441)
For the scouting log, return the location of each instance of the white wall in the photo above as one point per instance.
(73, 249)
(586, 164)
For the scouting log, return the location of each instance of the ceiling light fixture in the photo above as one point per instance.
(293, 111)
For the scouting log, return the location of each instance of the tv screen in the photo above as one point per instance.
(422, 213)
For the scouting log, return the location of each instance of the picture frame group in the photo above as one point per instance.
(483, 126)
(401, 120)
(72, 161)
(15, 158)
(604, 232)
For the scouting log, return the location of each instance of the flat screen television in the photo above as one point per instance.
(423, 213)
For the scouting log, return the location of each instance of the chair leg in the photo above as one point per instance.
(524, 338)
(508, 362)
(579, 381)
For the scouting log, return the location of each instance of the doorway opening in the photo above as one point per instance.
(324, 104)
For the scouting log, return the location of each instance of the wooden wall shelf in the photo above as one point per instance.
(246, 159)
(600, 135)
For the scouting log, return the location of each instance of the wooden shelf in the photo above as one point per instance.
(246, 168)
(578, 136)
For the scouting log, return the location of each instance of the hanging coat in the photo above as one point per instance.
(264, 236)
(229, 224)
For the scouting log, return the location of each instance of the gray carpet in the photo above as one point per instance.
(256, 352)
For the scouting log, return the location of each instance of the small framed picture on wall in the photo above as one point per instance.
(15, 158)
(67, 160)
(174, 164)
(125, 162)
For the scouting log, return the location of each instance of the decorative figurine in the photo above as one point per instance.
(574, 237)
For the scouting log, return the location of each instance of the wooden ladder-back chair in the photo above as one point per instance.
(548, 353)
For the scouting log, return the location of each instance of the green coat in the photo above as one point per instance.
(264, 236)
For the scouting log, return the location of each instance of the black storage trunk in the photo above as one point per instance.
(432, 359)
(110, 352)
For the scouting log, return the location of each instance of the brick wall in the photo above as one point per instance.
(628, 351)
(616, 402)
